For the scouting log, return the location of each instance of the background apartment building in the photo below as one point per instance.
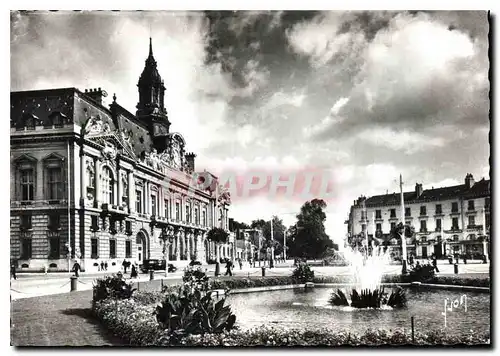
(447, 220)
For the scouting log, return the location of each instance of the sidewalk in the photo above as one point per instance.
(62, 320)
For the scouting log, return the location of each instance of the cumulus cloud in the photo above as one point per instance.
(365, 96)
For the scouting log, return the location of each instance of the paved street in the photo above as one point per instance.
(32, 285)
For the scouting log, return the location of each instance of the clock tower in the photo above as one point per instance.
(151, 107)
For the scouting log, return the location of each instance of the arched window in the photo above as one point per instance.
(188, 213)
(107, 185)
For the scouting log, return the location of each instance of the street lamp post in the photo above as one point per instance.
(403, 238)
(271, 262)
(83, 132)
(168, 238)
(284, 245)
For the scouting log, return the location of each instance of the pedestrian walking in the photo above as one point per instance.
(102, 266)
(229, 265)
(133, 272)
(434, 263)
(411, 259)
(106, 265)
(13, 271)
(240, 263)
(125, 265)
(76, 268)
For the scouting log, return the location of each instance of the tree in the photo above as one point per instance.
(398, 231)
(308, 239)
(278, 234)
(218, 236)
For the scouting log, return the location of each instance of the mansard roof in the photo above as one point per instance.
(479, 189)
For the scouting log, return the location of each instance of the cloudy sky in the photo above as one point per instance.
(363, 96)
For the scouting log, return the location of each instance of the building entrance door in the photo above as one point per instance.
(424, 251)
(438, 250)
(141, 248)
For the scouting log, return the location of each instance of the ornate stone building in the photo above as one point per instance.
(98, 184)
(446, 220)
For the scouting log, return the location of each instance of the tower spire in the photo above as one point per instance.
(150, 47)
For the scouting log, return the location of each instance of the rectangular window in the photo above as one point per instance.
(55, 248)
(26, 248)
(55, 183)
(112, 248)
(204, 218)
(27, 184)
(196, 216)
(378, 214)
(454, 207)
(454, 223)
(439, 209)
(393, 225)
(423, 226)
(138, 201)
(472, 220)
(154, 205)
(188, 213)
(128, 227)
(423, 210)
(407, 211)
(54, 222)
(487, 218)
(393, 213)
(93, 248)
(94, 223)
(177, 211)
(363, 227)
(487, 203)
(378, 227)
(438, 224)
(165, 211)
(363, 215)
(470, 205)
(423, 239)
(26, 222)
(128, 249)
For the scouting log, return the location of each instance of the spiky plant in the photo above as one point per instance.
(338, 298)
(397, 299)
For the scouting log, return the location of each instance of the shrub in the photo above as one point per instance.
(147, 297)
(370, 298)
(303, 273)
(421, 273)
(193, 311)
(136, 324)
(196, 277)
(111, 287)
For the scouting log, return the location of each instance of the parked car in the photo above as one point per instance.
(156, 265)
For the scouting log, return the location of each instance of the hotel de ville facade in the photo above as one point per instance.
(96, 184)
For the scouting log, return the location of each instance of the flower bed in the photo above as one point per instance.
(135, 323)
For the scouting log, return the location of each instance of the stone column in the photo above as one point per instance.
(119, 186)
(196, 245)
(177, 245)
(187, 249)
(83, 183)
(191, 244)
(147, 198)
(97, 183)
(131, 192)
